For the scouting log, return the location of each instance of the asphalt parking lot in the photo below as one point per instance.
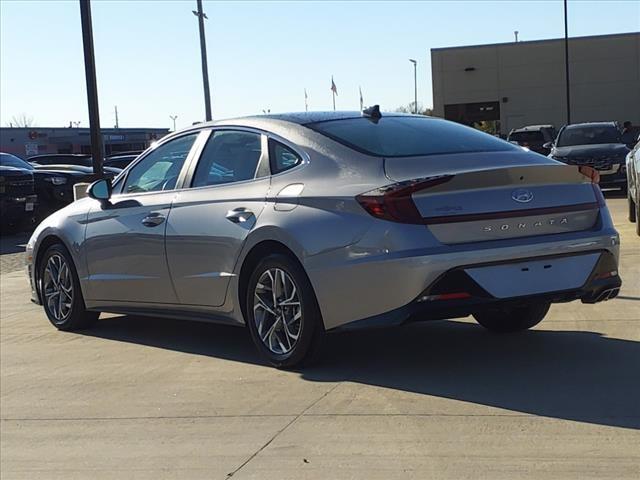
(147, 398)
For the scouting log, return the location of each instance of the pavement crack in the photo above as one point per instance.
(268, 442)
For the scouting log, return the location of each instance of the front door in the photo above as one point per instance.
(125, 240)
(210, 221)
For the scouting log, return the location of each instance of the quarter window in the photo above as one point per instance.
(160, 169)
(229, 156)
(282, 157)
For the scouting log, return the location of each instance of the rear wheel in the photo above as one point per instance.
(60, 291)
(633, 217)
(512, 319)
(282, 312)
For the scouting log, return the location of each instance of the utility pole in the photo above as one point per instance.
(92, 88)
(116, 109)
(173, 117)
(203, 54)
(415, 85)
(566, 62)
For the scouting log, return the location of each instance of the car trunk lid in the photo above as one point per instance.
(484, 197)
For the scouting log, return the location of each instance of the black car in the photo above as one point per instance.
(18, 200)
(534, 137)
(120, 160)
(53, 183)
(598, 145)
(61, 159)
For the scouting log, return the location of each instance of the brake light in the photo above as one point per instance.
(394, 202)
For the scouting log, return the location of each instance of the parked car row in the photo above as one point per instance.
(31, 191)
(601, 145)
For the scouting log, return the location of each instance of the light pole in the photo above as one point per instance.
(173, 117)
(92, 88)
(203, 54)
(415, 84)
(566, 62)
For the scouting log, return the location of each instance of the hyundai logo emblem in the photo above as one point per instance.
(522, 195)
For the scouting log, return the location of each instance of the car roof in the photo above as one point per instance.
(591, 124)
(531, 128)
(298, 118)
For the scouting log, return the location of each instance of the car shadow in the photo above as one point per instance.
(572, 375)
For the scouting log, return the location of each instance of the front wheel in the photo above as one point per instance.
(60, 291)
(282, 312)
(512, 319)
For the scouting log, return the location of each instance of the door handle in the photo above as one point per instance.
(239, 215)
(153, 219)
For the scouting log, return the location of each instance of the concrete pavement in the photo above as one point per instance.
(151, 398)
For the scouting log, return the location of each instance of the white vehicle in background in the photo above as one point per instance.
(633, 183)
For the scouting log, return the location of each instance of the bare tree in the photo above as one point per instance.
(22, 120)
(410, 109)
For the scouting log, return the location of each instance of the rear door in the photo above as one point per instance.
(210, 221)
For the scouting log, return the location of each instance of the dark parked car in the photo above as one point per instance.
(598, 145)
(119, 161)
(61, 159)
(534, 137)
(17, 195)
(53, 183)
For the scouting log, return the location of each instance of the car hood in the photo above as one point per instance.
(6, 171)
(586, 153)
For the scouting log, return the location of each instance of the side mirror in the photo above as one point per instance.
(100, 190)
(548, 145)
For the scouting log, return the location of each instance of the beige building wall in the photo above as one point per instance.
(528, 79)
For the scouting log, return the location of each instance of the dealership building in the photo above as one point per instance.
(29, 141)
(524, 83)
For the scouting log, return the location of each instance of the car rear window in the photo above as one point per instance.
(408, 136)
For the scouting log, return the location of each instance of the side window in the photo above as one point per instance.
(160, 169)
(281, 157)
(229, 156)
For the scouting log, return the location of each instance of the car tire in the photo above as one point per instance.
(60, 291)
(282, 313)
(632, 209)
(512, 318)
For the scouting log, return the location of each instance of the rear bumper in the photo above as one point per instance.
(603, 283)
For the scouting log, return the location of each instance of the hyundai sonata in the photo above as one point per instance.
(298, 224)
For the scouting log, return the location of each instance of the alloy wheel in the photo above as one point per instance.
(277, 311)
(57, 287)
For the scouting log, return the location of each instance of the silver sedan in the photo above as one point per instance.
(294, 225)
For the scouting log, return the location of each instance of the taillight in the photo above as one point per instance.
(591, 173)
(394, 202)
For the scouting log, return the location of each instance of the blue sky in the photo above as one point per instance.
(261, 54)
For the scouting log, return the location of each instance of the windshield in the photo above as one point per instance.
(592, 135)
(532, 136)
(408, 136)
(8, 160)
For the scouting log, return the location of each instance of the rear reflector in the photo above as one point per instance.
(394, 202)
(444, 296)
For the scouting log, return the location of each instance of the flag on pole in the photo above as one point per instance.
(361, 101)
(306, 101)
(334, 92)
